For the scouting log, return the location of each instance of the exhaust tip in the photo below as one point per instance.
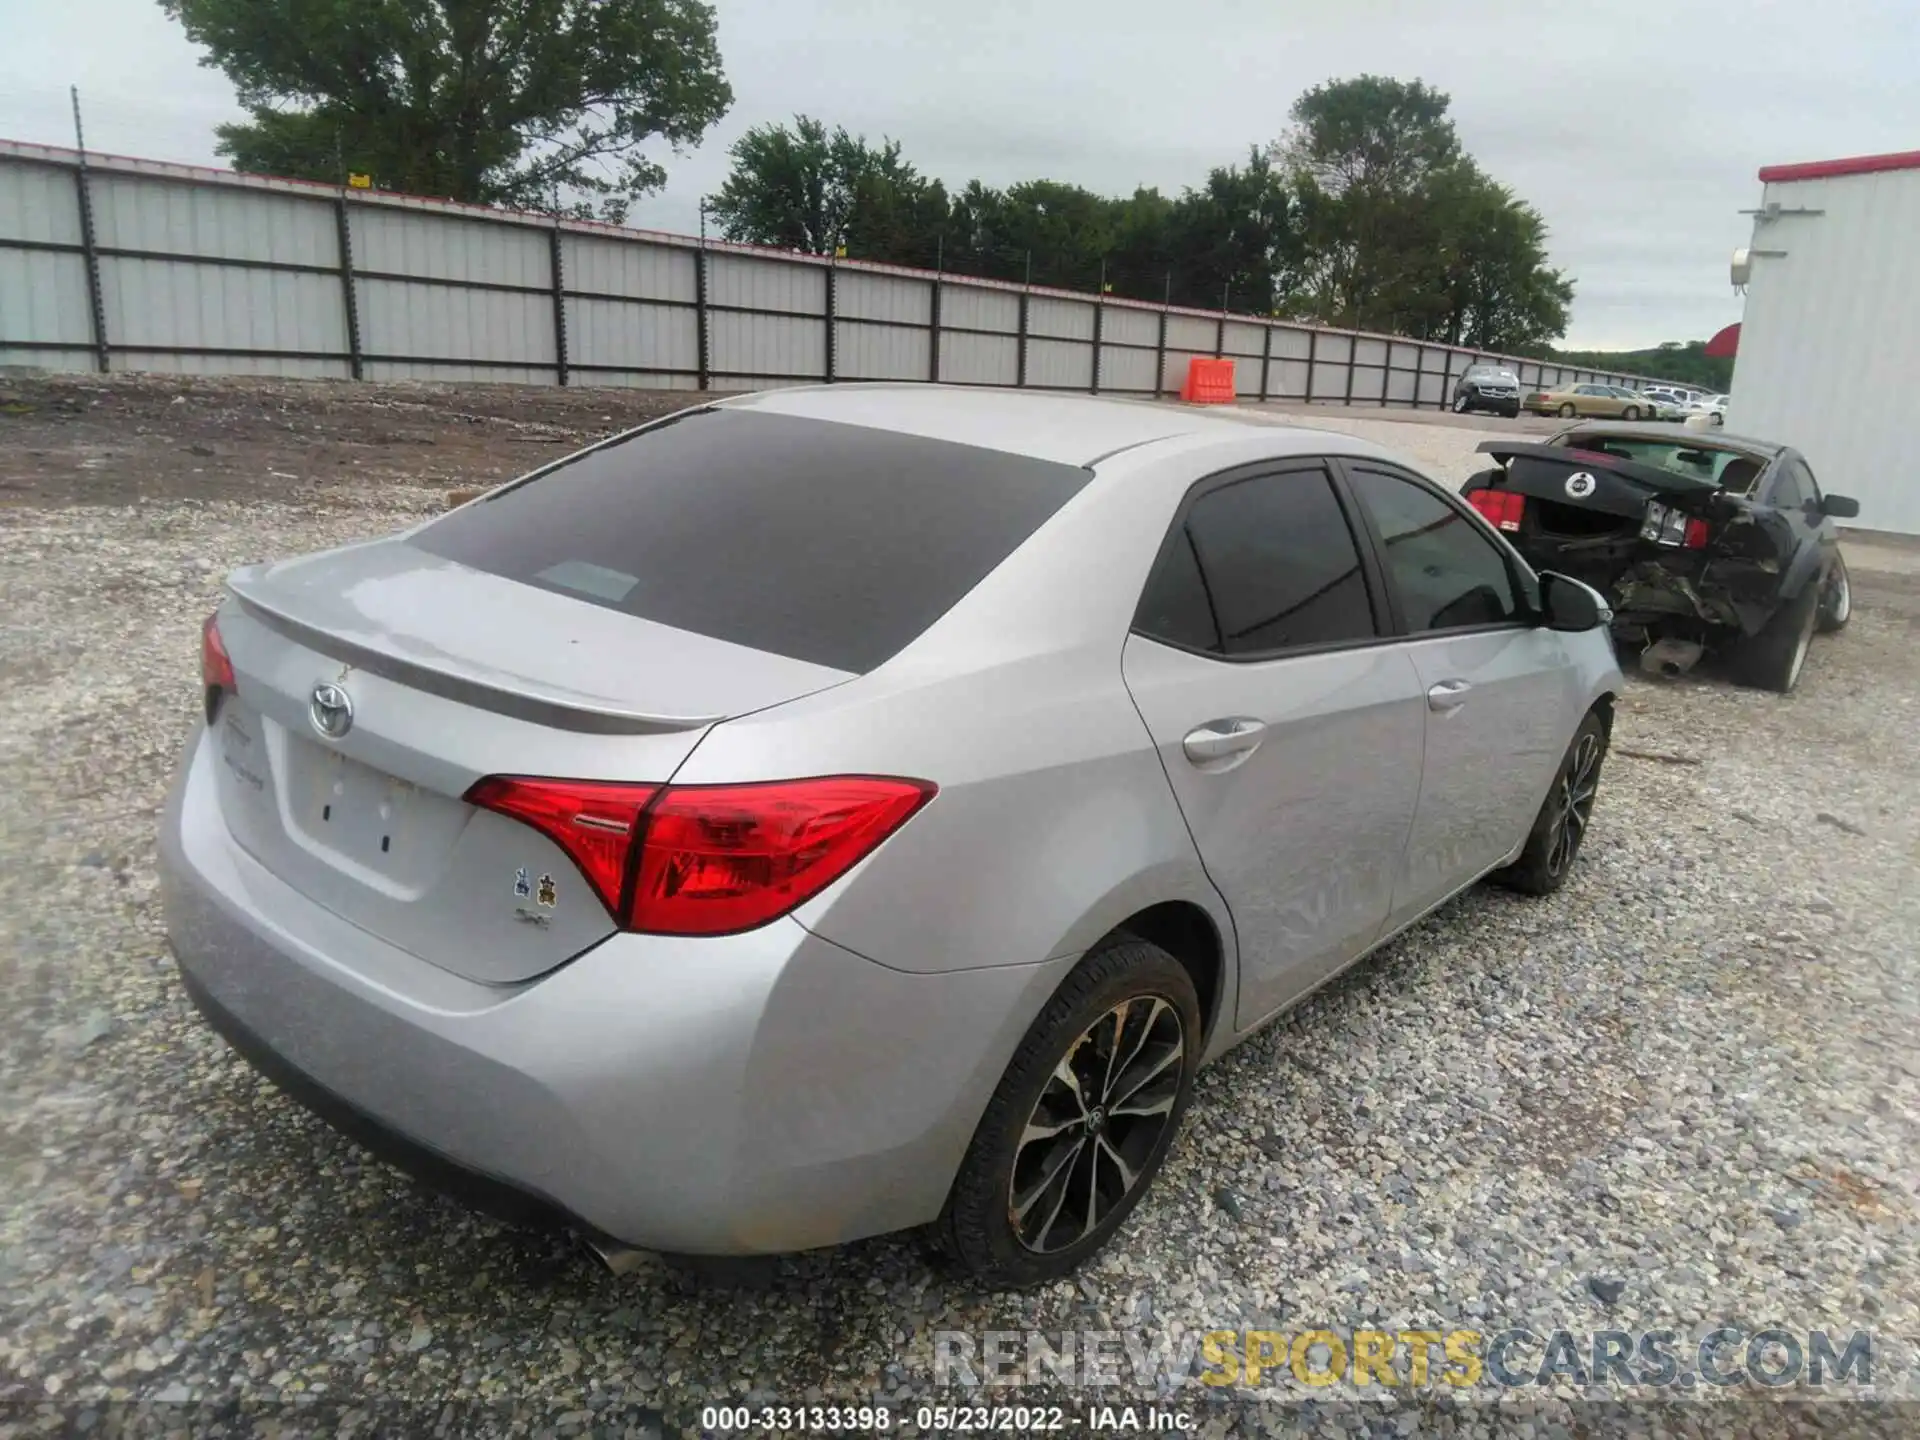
(616, 1259)
(1669, 658)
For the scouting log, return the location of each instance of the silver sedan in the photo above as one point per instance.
(839, 810)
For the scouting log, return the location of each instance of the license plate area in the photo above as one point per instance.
(350, 807)
(365, 820)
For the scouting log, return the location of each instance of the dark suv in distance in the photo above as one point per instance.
(1487, 387)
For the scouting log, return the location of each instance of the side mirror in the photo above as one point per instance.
(1839, 507)
(1566, 604)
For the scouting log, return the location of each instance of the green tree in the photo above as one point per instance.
(1367, 213)
(1054, 233)
(1478, 274)
(1371, 136)
(1236, 242)
(898, 216)
(1686, 363)
(1362, 155)
(491, 101)
(803, 188)
(1403, 232)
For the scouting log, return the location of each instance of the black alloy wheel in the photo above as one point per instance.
(1560, 828)
(1078, 1127)
(1098, 1120)
(1573, 799)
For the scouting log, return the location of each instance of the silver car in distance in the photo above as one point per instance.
(838, 810)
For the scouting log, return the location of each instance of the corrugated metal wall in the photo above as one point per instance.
(1830, 341)
(136, 265)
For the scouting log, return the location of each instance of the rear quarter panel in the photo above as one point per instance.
(1054, 820)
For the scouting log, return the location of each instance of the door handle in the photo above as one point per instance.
(1222, 744)
(1448, 695)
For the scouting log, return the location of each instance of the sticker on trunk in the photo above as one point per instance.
(549, 892)
(522, 884)
(1581, 484)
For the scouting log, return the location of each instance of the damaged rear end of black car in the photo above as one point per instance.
(1701, 544)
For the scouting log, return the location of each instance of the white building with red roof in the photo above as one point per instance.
(1829, 345)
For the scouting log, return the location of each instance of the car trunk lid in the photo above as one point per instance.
(451, 675)
(1595, 481)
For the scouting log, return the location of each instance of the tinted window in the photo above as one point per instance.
(1801, 478)
(1446, 573)
(1274, 564)
(1174, 606)
(832, 543)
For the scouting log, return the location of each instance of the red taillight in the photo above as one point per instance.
(216, 670)
(592, 821)
(1503, 508)
(1696, 535)
(722, 858)
(709, 859)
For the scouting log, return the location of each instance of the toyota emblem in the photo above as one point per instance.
(331, 710)
(1581, 484)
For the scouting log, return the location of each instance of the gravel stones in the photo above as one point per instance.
(1695, 1068)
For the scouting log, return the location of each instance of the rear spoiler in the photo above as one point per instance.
(1650, 477)
(465, 684)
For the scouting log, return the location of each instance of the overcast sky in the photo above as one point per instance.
(1635, 129)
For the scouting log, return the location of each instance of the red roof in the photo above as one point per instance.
(1829, 169)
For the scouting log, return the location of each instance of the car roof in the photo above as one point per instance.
(1069, 429)
(1706, 439)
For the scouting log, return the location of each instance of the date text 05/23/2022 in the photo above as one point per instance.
(944, 1419)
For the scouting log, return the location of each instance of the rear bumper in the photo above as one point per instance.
(749, 1094)
(486, 1193)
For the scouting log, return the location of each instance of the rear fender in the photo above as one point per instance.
(1806, 568)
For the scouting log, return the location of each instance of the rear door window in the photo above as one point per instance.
(831, 543)
(1260, 565)
(1447, 574)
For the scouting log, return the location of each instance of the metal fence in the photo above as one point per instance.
(108, 263)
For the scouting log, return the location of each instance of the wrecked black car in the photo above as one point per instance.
(1700, 542)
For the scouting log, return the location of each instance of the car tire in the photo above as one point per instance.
(984, 1228)
(1560, 828)
(1836, 597)
(1512, 414)
(1773, 658)
(1568, 410)
(1632, 412)
(1461, 405)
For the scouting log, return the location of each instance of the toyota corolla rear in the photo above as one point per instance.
(438, 860)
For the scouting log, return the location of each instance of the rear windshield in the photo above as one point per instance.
(835, 544)
(1696, 462)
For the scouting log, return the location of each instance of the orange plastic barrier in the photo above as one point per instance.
(1209, 382)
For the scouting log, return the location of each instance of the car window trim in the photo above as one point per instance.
(1372, 578)
(1526, 584)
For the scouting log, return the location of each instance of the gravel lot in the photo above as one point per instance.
(1696, 1071)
